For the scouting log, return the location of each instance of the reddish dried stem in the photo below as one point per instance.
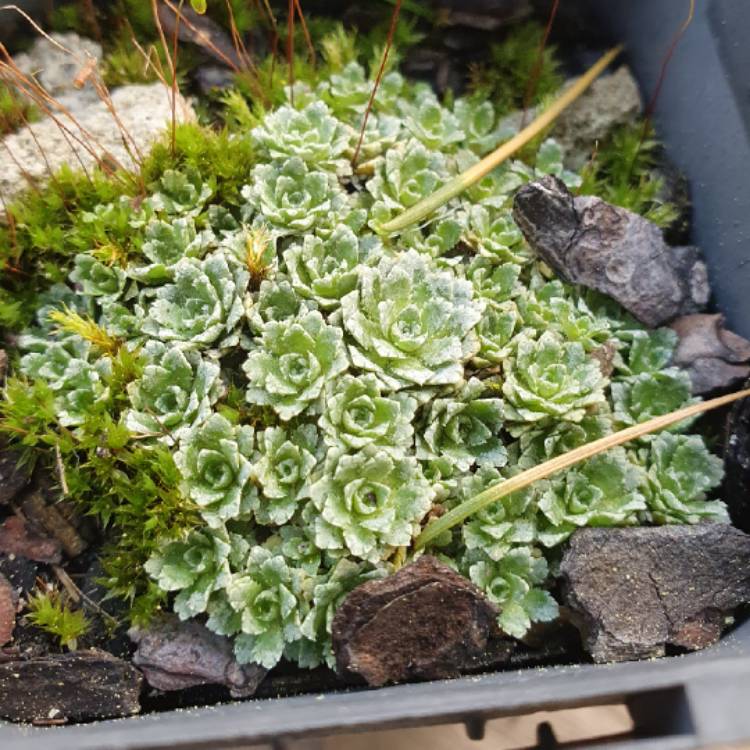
(306, 33)
(378, 79)
(290, 49)
(538, 64)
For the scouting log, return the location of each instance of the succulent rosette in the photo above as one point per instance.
(347, 91)
(195, 567)
(276, 301)
(680, 472)
(641, 397)
(293, 362)
(215, 461)
(326, 270)
(312, 134)
(202, 308)
(501, 526)
(291, 198)
(283, 470)
(357, 413)
(431, 123)
(267, 595)
(550, 378)
(604, 491)
(180, 193)
(496, 236)
(98, 279)
(369, 502)
(464, 429)
(513, 584)
(407, 173)
(496, 332)
(175, 391)
(410, 323)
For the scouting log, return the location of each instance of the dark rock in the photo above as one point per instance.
(201, 31)
(78, 686)
(715, 358)
(737, 464)
(19, 538)
(632, 592)
(175, 655)
(12, 478)
(52, 519)
(675, 189)
(212, 78)
(424, 622)
(8, 605)
(21, 573)
(614, 251)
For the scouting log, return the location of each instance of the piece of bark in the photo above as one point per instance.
(632, 592)
(8, 605)
(174, 655)
(12, 478)
(49, 518)
(737, 464)
(17, 537)
(614, 251)
(201, 31)
(78, 686)
(424, 622)
(3, 364)
(605, 356)
(715, 358)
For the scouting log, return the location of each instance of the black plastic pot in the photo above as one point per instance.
(703, 115)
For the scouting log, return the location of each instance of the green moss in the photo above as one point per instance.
(622, 172)
(504, 80)
(50, 613)
(14, 111)
(131, 489)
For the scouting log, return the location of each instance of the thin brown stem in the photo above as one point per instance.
(538, 64)
(306, 33)
(290, 49)
(378, 79)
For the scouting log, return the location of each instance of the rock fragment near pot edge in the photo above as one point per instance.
(175, 655)
(78, 686)
(633, 591)
(614, 251)
(715, 358)
(424, 622)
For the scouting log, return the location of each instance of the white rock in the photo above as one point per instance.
(144, 110)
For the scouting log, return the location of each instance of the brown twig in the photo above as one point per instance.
(378, 79)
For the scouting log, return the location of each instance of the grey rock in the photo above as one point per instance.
(715, 358)
(174, 655)
(631, 592)
(610, 101)
(144, 111)
(614, 251)
(424, 622)
(78, 686)
(56, 69)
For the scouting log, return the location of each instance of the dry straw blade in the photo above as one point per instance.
(467, 178)
(525, 478)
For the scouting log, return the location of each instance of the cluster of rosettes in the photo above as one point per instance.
(381, 379)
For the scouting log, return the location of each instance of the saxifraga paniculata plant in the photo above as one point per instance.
(315, 388)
